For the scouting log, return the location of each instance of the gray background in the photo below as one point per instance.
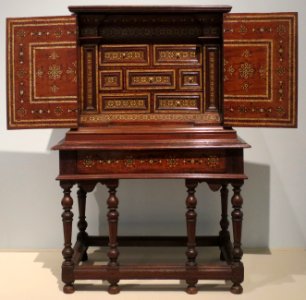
(275, 204)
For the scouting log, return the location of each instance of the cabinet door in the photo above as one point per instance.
(260, 70)
(41, 72)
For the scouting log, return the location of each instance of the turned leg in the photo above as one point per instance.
(237, 217)
(224, 223)
(112, 217)
(191, 218)
(67, 217)
(82, 224)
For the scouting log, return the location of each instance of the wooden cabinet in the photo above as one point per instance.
(259, 69)
(152, 92)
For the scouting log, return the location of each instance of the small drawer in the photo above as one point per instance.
(110, 80)
(117, 55)
(177, 55)
(124, 102)
(190, 79)
(187, 103)
(150, 79)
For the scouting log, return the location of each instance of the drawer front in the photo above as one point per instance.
(150, 79)
(187, 103)
(190, 79)
(177, 55)
(117, 55)
(95, 162)
(124, 102)
(110, 80)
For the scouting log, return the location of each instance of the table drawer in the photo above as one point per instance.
(123, 162)
(124, 55)
(150, 79)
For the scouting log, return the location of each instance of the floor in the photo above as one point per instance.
(276, 274)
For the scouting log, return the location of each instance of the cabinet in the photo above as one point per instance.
(152, 92)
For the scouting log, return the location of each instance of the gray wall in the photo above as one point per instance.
(275, 202)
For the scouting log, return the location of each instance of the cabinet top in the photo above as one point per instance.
(151, 9)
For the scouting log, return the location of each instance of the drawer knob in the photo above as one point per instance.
(151, 79)
(124, 55)
(178, 55)
(190, 79)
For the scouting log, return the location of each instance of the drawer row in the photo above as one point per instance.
(145, 55)
(145, 103)
(150, 79)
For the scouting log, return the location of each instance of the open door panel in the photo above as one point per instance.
(260, 70)
(41, 72)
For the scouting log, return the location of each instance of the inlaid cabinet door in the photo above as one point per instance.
(41, 72)
(260, 70)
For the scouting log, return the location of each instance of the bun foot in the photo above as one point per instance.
(236, 289)
(113, 289)
(68, 289)
(191, 290)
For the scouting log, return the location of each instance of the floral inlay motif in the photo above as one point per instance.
(54, 88)
(72, 71)
(262, 72)
(88, 161)
(21, 73)
(231, 70)
(53, 55)
(21, 111)
(58, 111)
(245, 86)
(281, 29)
(281, 70)
(40, 73)
(129, 162)
(21, 33)
(172, 162)
(55, 72)
(246, 53)
(213, 161)
(243, 29)
(246, 70)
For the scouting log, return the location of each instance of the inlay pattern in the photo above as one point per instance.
(42, 87)
(97, 162)
(260, 85)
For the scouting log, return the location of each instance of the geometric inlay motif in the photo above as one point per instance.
(260, 70)
(42, 72)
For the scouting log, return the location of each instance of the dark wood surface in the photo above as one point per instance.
(150, 9)
(151, 106)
